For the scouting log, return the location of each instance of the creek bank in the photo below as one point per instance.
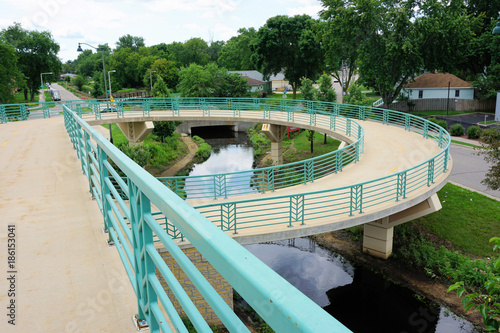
(418, 282)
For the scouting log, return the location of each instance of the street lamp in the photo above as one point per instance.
(496, 31)
(103, 67)
(41, 78)
(109, 80)
(151, 80)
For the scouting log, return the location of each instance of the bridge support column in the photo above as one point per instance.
(136, 132)
(378, 235)
(216, 280)
(275, 133)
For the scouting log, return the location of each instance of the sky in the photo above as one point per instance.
(157, 21)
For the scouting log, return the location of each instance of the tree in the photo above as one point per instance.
(79, 81)
(10, 77)
(165, 69)
(491, 151)
(306, 89)
(131, 42)
(214, 49)
(341, 34)
(36, 52)
(355, 96)
(400, 39)
(486, 302)
(165, 129)
(325, 91)
(160, 89)
(237, 53)
(310, 138)
(288, 44)
(195, 52)
(211, 81)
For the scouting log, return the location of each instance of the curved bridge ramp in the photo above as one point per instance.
(398, 164)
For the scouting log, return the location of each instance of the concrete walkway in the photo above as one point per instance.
(66, 277)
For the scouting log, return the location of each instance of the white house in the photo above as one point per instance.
(435, 85)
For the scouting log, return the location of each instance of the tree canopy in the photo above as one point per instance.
(289, 44)
(36, 53)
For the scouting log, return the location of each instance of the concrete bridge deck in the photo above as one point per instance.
(66, 278)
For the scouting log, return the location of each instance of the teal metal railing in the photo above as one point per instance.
(316, 114)
(129, 218)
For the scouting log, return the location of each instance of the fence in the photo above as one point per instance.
(437, 104)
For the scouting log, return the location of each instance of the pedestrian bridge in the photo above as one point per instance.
(388, 173)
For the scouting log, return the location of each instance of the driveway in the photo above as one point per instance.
(469, 169)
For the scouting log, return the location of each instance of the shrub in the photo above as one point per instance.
(198, 140)
(441, 123)
(473, 132)
(457, 130)
(203, 152)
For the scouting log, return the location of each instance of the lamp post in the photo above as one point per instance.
(342, 78)
(496, 31)
(109, 80)
(41, 78)
(151, 80)
(103, 67)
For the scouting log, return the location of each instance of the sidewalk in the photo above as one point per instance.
(64, 277)
(465, 140)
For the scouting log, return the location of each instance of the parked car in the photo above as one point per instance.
(109, 110)
(56, 96)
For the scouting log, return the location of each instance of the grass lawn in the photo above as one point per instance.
(19, 98)
(468, 220)
(118, 136)
(289, 95)
(488, 122)
(463, 143)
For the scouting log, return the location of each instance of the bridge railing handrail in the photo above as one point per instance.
(224, 185)
(132, 228)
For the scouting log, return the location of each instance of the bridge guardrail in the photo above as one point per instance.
(128, 218)
(262, 180)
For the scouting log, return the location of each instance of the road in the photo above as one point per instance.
(469, 169)
(65, 94)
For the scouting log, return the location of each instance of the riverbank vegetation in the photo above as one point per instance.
(158, 152)
(296, 146)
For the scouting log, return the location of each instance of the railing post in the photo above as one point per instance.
(143, 265)
(441, 137)
(426, 129)
(228, 217)
(105, 191)
(333, 121)
(401, 186)
(446, 157)
(407, 122)
(220, 186)
(296, 210)
(348, 127)
(356, 202)
(146, 107)
(46, 110)
(88, 161)
(430, 172)
(340, 157)
(385, 117)
(308, 171)
(268, 180)
(23, 112)
(3, 115)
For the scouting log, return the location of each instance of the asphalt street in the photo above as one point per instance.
(469, 169)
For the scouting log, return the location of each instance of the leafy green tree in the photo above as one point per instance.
(195, 52)
(160, 89)
(131, 42)
(236, 55)
(310, 138)
(214, 49)
(341, 34)
(98, 88)
(79, 81)
(288, 44)
(36, 53)
(306, 89)
(165, 129)
(211, 81)
(487, 302)
(355, 96)
(325, 91)
(165, 69)
(10, 77)
(491, 151)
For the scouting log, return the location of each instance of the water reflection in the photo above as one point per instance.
(360, 299)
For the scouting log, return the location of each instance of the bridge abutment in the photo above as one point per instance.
(275, 133)
(222, 287)
(137, 131)
(378, 235)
